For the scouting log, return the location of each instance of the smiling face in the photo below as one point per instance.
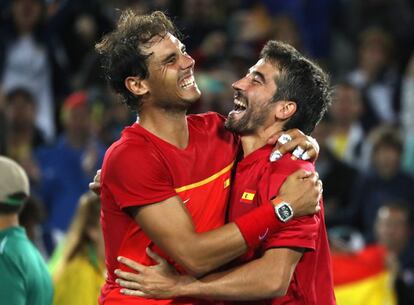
(171, 84)
(253, 98)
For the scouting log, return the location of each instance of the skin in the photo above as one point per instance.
(392, 228)
(251, 280)
(163, 113)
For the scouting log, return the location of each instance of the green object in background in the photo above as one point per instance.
(55, 258)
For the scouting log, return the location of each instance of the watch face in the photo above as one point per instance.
(284, 211)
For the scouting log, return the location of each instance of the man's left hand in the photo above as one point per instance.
(295, 141)
(159, 281)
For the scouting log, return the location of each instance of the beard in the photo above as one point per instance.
(250, 120)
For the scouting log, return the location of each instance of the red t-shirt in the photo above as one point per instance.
(258, 180)
(141, 169)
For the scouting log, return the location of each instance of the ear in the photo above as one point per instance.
(285, 109)
(136, 85)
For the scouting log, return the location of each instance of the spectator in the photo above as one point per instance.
(393, 231)
(30, 218)
(347, 135)
(68, 166)
(376, 78)
(22, 135)
(81, 268)
(30, 57)
(337, 176)
(24, 278)
(115, 117)
(384, 181)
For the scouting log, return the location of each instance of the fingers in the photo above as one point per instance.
(124, 275)
(131, 264)
(302, 146)
(136, 293)
(128, 284)
(297, 146)
(320, 186)
(298, 152)
(97, 177)
(155, 256)
(95, 186)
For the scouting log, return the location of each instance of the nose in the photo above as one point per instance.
(239, 84)
(188, 62)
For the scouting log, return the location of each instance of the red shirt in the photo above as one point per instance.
(141, 169)
(258, 180)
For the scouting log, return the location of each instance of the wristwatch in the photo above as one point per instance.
(283, 210)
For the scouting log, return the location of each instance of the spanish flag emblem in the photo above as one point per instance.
(227, 183)
(248, 196)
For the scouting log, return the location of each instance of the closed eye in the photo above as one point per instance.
(170, 59)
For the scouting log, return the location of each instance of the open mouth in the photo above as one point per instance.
(187, 82)
(239, 103)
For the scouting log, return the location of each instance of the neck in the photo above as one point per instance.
(8, 220)
(169, 126)
(258, 139)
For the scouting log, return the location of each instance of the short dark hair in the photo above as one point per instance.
(20, 91)
(401, 206)
(121, 51)
(387, 136)
(301, 81)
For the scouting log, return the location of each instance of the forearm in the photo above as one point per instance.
(267, 277)
(214, 248)
(170, 228)
(240, 285)
(207, 251)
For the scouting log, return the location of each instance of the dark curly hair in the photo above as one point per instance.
(121, 52)
(301, 81)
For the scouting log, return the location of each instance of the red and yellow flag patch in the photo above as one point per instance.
(248, 196)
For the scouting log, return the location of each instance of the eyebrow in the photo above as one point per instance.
(171, 55)
(168, 57)
(260, 75)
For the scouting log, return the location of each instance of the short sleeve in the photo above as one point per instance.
(301, 232)
(136, 175)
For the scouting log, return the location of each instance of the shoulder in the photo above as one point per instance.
(286, 166)
(131, 146)
(206, 121)
(17, 253)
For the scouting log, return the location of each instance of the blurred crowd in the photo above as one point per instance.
(57, 115)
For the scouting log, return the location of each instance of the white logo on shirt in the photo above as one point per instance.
(263, 236)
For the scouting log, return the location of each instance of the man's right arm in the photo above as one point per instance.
(169, 225)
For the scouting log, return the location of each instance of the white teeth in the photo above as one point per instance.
(239, 103)
(187, 82)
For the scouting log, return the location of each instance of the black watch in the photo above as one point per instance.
(284, 211)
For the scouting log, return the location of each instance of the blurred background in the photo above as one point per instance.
(57, 116)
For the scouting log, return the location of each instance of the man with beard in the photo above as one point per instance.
(293, 266)
(165, 183)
